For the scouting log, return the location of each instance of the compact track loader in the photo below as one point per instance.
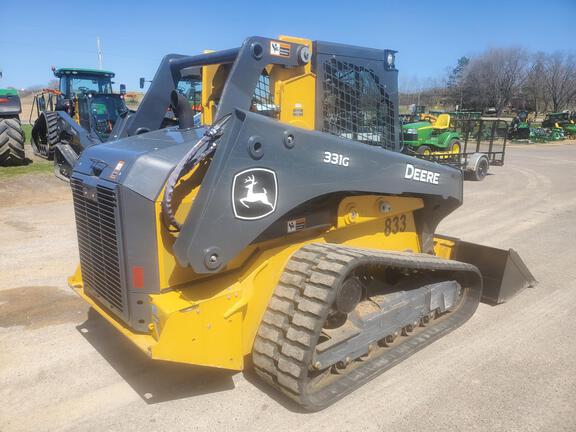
(291, 230)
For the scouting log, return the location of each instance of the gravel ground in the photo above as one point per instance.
(511, 367)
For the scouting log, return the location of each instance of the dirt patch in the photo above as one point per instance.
(39, 306)
(32, 188)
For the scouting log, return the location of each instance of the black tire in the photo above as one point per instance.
(11, 141)
(481, 170)
(424, 150)
(453, 145)
(45, 135)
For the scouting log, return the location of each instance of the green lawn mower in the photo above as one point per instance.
(562, 121)
(426, 137)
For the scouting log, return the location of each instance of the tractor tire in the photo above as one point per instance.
(45, 135)
(481, 170)
(455, 147)
(424, 150)
(11, 142)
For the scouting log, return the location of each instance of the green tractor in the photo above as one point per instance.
(11, 134)
(562, 121)
(426, 138)
(84, 104)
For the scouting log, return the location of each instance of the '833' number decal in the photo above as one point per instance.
(394, 225)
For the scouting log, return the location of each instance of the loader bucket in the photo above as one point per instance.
(504, 273)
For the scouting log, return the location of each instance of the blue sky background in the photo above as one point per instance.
(429, 36)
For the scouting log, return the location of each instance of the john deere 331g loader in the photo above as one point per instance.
(290, 230)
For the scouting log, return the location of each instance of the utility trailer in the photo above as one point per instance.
(483, 143)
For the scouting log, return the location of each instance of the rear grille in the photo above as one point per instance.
(95, 210)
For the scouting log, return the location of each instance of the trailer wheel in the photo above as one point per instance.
(11, 141)
(481, 170)
(424, 150)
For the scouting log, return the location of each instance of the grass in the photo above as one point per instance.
(33, 166)
(27, 128)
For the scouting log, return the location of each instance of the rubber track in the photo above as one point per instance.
(11, 141)
(52, 138)
(286, 340)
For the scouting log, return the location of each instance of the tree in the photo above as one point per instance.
(536, 98)
(456, 74)
(454, 82)
(495, 77)
(558, 76)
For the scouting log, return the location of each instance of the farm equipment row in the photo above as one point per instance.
(554, 127)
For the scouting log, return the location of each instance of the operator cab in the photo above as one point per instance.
(74, 82)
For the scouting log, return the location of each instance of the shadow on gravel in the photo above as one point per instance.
(155, 381)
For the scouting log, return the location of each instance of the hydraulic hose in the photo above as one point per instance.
(205, 147)
(182, 110)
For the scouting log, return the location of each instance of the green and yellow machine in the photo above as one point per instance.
(11, 133)
(427, 137)
(561, 121)
(286, 230)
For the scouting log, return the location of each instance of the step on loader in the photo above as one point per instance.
(289, 233)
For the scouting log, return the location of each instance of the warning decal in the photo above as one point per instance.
(279, 49)
(296, 225)
(114, 175)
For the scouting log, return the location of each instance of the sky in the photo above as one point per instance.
(135, 35)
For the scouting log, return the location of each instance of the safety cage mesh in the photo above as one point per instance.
(356, 105)
(263, 98)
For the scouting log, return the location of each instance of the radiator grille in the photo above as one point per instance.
(98, 241)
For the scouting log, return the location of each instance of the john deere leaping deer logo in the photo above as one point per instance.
(254, 193)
